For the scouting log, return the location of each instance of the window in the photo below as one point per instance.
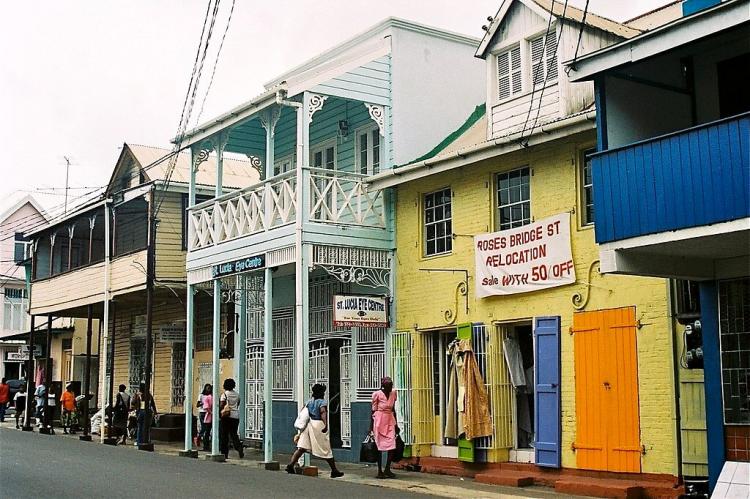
(20, 248)
(368, 150)
(437, 223)
(734, 334)
(324, 156)
(544, 58)
(587, 189)
(509, 73)
(513, 199)
(14, 309)
(283, 164)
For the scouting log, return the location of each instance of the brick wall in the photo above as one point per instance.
(424, 297)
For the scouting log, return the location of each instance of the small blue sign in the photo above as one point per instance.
(238, 266)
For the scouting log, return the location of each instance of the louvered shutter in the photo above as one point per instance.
(537, 60)
(551, 56)
(509, 73)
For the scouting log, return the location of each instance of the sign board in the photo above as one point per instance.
(236, 266)
(360, 311)
(529, 258)
(18, 356)
(174, 333)
(37, 350)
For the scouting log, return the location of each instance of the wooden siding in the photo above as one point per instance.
(170, 257)
(511, 116)
(368, 83)
(165, 312)
(86, 286)
(518, 22)
(606, 373)
(692, 178)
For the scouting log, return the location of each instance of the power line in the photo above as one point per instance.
(580, 34)
(216, 63)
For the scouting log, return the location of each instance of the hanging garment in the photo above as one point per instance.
(477, 420)
(514, 361)
(451, 409)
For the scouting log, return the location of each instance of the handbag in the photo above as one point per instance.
(398, 454)
(226, 411)
(369, 453)
(302, 419)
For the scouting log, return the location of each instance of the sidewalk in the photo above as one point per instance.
(425, 483)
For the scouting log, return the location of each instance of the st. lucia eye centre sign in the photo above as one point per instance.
(360, 311)
(238, 266)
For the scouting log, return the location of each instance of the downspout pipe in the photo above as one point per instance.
(105, 389)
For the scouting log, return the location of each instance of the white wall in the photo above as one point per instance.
(437, 83)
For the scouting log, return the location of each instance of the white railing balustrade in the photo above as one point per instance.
(254, 209)
(339, 198)
(342, 198)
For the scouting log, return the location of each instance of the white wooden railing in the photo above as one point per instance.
(342, 198)
(254, 209)
(334, 197)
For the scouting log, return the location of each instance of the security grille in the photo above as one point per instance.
(137, 363)
(346, 390)
(400, 369)
(370, 361)
(178, 374)
(254, 392)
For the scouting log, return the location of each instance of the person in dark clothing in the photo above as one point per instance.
(139, 403)
(229, 419)
(20, 402)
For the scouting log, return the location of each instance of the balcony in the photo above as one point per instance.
(692, 178)
(335, 198)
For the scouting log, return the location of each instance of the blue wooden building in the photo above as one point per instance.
(274, 255)
(671, 182)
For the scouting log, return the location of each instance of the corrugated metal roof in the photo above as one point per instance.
(237, 173)
(657, 17)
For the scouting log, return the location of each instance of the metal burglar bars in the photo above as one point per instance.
(400, 368)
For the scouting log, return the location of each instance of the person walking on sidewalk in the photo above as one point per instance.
(4, 398)
(383, 424)
(140, 402)
(39, 394)
(207, 416)
(20, 403)
(315, 437)
(229, 421)
(69, 417)
(120, 413)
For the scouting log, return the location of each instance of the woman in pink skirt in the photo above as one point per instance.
(383, 424)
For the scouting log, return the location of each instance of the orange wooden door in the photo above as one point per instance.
(606, 370)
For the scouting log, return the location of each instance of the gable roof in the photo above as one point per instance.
(155, 161)
(18, 204)
(556, 8)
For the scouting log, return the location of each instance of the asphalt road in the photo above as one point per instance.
(43, 466)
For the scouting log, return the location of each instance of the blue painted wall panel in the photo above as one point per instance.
(697, 177)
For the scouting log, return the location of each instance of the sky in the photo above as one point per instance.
(77, 79)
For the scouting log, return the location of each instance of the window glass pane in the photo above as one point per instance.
(440, 248)
(430, 247)
(318, 159)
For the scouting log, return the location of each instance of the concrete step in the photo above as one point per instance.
(508, 478)
(599, 487)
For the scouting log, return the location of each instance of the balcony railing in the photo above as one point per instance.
(335, 198)
(691, 178)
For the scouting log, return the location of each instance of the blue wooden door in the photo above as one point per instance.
(547, 391)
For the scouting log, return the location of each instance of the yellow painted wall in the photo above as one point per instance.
(423, 298)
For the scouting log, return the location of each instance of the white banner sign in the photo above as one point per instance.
(18, 356)
(529, 258)
(360, 311)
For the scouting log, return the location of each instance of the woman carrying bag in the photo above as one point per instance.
(314, 437)
(383, 424)
(229, 419)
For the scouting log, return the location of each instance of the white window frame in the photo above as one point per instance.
(425, 224)
(368, 129)
(583, 153)
(545, 58)
(278, 164)
(14, 311)
(510, 204)
(321, 147)
(506, 51)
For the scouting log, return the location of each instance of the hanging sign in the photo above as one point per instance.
(360, 311)
(175, 333)
(237, 266)
(37, 350)
(529, 258)
(18, 356)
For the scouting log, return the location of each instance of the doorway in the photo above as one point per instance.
(518, 350)
(606, 374)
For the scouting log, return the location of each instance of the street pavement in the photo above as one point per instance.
(61, 466)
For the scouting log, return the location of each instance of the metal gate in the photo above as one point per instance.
(345, 361)
(254, 392)
(400, 348)
(137, 363)
(178, 374)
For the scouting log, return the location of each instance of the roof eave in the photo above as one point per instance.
(679, 32)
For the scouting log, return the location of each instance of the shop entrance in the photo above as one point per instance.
(518, 349)
(445, 408)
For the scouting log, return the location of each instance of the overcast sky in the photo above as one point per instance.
(78, 79)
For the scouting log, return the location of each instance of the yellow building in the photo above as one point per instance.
(579, 366)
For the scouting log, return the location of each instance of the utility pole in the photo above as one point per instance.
(67, 172)
(147, 445)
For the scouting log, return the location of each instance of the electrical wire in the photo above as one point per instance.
(216, 63)
(580, 36)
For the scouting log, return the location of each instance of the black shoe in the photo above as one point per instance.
(389, 474)
(336, 474)
(65, 432)
(241, 453)
(290, 469)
